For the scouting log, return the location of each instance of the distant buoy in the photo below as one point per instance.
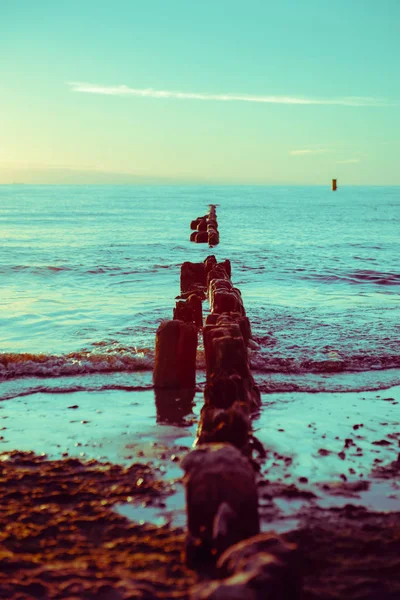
(334, 185)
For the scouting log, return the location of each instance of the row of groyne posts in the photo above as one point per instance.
(206, 228)
(223, 539)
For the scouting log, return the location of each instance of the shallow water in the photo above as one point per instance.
(123, 427)
(87, 274)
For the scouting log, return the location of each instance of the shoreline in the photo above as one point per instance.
(319, 446)
(141, 380)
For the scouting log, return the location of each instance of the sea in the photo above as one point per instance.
(87, 274)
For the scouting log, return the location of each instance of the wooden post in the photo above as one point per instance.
(175, 355)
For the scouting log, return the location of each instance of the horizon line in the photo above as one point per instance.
(204, 183)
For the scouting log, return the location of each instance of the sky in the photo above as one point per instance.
(174, 91)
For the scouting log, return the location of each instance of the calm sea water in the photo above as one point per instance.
(87, 273)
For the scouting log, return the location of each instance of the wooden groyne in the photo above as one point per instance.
(205, 229)
(223, 535)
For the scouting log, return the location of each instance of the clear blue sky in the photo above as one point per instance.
(284, 92)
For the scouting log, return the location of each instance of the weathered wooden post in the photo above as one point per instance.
(221, 500)
(175, 355)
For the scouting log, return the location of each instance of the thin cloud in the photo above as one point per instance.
(308, 151)
(124, 90)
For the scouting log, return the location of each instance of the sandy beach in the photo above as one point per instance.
(331, 470)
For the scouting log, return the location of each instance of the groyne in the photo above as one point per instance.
(205, 228)
(223, 538)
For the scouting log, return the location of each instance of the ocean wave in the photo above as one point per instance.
(76, 363)
(358, 276)
(331, 387)
(103, 359)
(269, 383)
(35, 269)
(111, 270)
(71, 389)
(295, 366)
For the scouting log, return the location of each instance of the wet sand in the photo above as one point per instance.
(60, 537)
(330, 481)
